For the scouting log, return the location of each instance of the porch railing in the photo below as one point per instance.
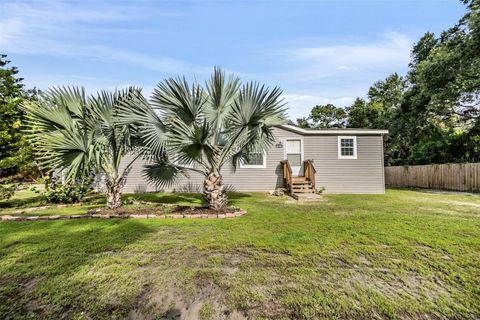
(287, 175)
(309, 172)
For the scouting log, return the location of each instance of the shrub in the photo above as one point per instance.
(73, 192)
(8, 186)
(7, 191)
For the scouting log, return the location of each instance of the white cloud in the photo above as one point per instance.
(327, 61)
(10, 29)
(300, 105)
(337, 74)
(50, 28)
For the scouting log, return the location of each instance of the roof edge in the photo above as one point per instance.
(332, 131)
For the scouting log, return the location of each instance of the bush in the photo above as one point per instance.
(58, 192)
(8, 186)
(7, 191)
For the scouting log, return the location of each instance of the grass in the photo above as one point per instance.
(405, 254)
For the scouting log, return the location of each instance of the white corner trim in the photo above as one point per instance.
(339, 142)
(255, 166)
(332, 131)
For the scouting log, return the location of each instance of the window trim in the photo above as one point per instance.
(255, 166)
(339, 146)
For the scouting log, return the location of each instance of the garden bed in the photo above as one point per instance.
(155, 212)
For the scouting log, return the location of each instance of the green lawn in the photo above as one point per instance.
(406, 254)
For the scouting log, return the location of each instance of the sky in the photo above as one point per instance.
(317, 51)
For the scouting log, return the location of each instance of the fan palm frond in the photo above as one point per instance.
(175, 98)
(248, 128)
(162, 173)
(192, 144)
(58, 127)
(135, 111)
(222, 92)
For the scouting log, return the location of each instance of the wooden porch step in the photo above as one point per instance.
(299, 179)
(302, 184)
(304, 191)
(302, 188)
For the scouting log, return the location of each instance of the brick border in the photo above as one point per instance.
(239, 213)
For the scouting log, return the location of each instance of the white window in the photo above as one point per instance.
(255, 160)
(347, 147)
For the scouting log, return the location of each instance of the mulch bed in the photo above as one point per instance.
(160, 212)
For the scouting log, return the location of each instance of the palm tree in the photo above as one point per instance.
(81, 135)
(189, 128)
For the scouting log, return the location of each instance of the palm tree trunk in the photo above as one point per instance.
(214, 192)
(114, 195)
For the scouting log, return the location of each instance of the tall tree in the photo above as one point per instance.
(362, 114)
(433, 114)
(384, 99)
(324, 116)
(14, 153)
(441, 109)
(190, 128)
(82, 135)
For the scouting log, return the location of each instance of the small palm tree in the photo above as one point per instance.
(190, 128)
(81, 135)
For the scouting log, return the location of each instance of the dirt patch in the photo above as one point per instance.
(31, 284)
(197, 289)
(169, 303)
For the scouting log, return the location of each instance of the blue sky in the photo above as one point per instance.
(316, 51)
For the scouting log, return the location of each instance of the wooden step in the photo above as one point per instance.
(307, 183)
(299, 179)
(302, 187)
(304, 191)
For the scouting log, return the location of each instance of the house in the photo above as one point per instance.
(343, 161)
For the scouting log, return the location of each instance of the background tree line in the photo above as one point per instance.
(432, 113)
(15, 151)
(16, 161)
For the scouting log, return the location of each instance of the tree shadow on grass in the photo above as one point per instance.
(166, 197)
(19, 203)
(194, 199)
(45, 267)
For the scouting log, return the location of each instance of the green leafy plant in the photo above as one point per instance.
(7, 191)
(321, 190)
(69, 192)
(8, 187)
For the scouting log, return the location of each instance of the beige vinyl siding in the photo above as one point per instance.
(244, 179)
(361, 175)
